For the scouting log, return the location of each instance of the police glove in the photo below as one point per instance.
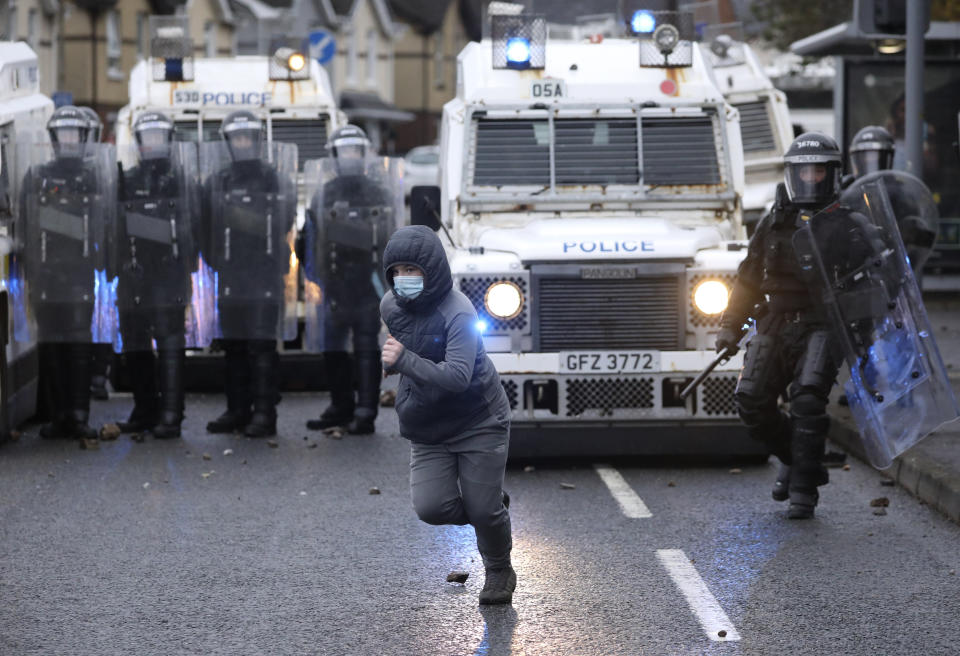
(727, 338)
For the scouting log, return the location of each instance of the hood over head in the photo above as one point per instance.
(420, 246)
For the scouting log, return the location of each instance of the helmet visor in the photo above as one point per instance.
(244, 144)
(811, 182)
(869, 161)
(154, 143)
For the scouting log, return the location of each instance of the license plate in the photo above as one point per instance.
(609, 362)
(548, 89)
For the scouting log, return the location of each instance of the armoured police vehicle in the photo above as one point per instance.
(591, 198)
(765, 127)
(289, 90)
(24, 112)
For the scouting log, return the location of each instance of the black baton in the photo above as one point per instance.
(722, 357)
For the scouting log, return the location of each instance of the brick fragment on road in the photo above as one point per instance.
(312, 445)
(568, 486)
(457, 577)
(335, 433)
(736, 470)
(880, 502)
(671, 484)
(529, 468)
(89, 444)
(273, 444)
(374, 490)
(228, 452)
(207, 456)
(880, 511)
(388, 398)
(109, 432)
(846, 468)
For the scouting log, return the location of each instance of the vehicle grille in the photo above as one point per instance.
(716, 395)
(679, 151)
(603, 395)
(510, 387)
(639, 313)
(475, 288)
(755, 127)
(310, 136)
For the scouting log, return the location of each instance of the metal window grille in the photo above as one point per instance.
(680, 151)
(310, 135)
(512, 152)
(755, 127)
(604, 395)
(475, 288)
(597, 152)
(695, 317)
(651, 55)
(716, 395)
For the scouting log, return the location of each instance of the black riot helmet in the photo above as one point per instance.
(243, 132)
(812, 170)
(153, 132)
(96, 125)
(349, 147)
(871, 150)
(68, 128)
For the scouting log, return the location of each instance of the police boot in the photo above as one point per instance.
(78, 392)
(264, 363)
(237, 388)
(171, 394)
(369, 370)
(339, 370)
(499, 586)
(141, 366)
(781, 486)
(102, 355)
(807, 472)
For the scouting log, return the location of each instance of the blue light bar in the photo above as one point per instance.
(480, 326)
(643, 22)
(518, 50)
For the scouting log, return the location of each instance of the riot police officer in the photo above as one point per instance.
(102, 353)
(155, 253)
(61, 230)
(351, 300)
(791, 352)
(250, 203)
(871, 159)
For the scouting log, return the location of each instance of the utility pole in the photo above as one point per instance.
(918, 14)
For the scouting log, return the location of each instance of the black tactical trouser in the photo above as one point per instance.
(251, 366)
(65, 355)
(139, 328)
(789, 354)
(363, 322)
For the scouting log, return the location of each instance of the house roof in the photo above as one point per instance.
(426, 16)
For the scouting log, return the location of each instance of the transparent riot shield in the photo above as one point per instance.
(350, 216)
(857, 263)
(913, 206)
(155, 253)
(250, 212)
(66, 210)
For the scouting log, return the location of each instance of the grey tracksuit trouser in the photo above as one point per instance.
(460, 482)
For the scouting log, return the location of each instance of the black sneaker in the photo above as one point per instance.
(499, 586)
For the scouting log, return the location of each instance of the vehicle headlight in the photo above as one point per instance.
(711, 296)
(503, 300)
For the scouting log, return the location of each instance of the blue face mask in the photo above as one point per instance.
(408, 286)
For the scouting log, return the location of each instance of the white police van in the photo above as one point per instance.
(289, 90)
(765, 126)
(591, 199)
(24, 113)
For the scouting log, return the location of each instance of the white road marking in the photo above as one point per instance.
(703, 604)
(631, 504)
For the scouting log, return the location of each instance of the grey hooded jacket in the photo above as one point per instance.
(447, 382)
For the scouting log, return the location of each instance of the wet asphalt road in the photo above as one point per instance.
(284, 551)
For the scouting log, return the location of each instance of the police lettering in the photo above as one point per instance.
(604, 246)
(236, 98)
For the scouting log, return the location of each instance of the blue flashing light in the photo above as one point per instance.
(173, 70)
(643, 21)
(518, 50)
(481, 326)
